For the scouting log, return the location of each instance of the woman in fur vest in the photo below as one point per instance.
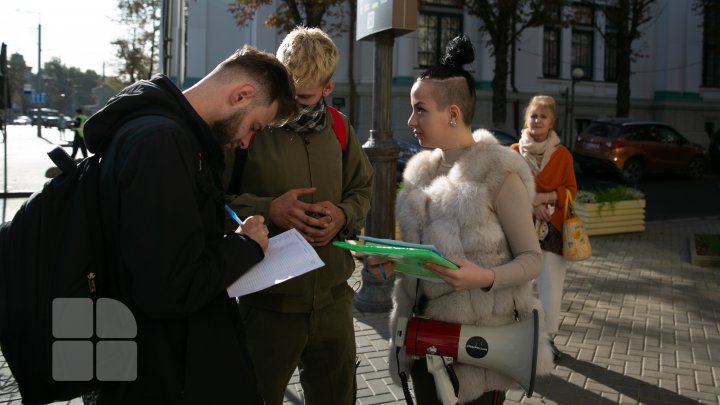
(471, 198)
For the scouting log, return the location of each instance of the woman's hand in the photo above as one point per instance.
(541, 212)
(467, 277)
(542, 203)
(379, 267)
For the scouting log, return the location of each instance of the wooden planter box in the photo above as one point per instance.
(702, 260)
(610, 218)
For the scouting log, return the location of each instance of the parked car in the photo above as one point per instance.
(632, 148)
(22, 120)
(505, 138)
(408, 149)
(714, 150)
(48, 117)
(68, 120)
(51, 121)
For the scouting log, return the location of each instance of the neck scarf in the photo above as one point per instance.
(310, 118)
(537, 154)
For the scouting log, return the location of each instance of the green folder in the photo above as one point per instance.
(408, 258)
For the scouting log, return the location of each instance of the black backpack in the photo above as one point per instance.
(53, 247)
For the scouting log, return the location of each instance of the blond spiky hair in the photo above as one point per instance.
(310, 55)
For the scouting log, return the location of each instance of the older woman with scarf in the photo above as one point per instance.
(552, 165)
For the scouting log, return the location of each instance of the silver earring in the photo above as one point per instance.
(453, 123)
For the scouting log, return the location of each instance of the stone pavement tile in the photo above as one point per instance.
(293, 395)
(379, 399)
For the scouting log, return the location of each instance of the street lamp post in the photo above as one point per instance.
(39, 74)
(39, 82)
(577, 75)
(382, 22)
(382, 151)
(566, 102)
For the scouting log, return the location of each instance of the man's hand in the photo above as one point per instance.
(287, 212)
(332, 220)
(254, 228)
(317, 222)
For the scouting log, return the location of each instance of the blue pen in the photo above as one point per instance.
(382, 271)
(233, 215)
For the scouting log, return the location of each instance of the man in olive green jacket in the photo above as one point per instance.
(298, 176)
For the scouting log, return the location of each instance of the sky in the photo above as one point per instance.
(78, 32)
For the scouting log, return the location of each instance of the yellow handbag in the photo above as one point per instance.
(576, 242)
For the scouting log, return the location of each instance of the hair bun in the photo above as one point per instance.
(459, 52)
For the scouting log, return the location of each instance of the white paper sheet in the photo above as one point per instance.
(289, 255)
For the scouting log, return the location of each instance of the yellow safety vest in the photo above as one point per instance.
(79, 130)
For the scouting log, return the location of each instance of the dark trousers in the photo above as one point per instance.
(425, 394)
(78, 142)
(321, 344)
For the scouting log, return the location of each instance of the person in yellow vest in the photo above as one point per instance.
(79, 140)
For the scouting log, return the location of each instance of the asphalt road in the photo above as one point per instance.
(668, 196)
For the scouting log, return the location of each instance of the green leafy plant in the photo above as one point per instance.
(586, 197)
(620, 193)
(609, 196)
(707, 244)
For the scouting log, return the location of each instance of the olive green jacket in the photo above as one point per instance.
(279, 160)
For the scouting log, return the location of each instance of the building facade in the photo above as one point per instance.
(676, 79)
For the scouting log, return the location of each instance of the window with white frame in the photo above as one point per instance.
(582, 39)
(439, 21)
(711, 46)
(612, 15)
(551, 51)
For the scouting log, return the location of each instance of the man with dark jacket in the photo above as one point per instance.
(162, 209)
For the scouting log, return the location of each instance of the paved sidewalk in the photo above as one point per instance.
(641, 325)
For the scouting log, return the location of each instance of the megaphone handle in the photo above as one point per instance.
(443, 385)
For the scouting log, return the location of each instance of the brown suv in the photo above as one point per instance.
(631, 148)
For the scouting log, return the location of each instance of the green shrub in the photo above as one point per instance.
(609, 195)
(707, 244)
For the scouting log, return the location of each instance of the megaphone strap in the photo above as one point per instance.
(403, 378)
(453, 377)
(415, 302)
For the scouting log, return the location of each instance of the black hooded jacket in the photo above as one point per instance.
(168, 260)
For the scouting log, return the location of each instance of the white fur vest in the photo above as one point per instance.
(455, 213)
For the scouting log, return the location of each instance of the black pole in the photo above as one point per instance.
(39, 85)
(571, 131)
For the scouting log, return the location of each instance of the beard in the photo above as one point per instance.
(225, 130)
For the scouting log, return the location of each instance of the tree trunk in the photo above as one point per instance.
(499, 84)
(623, 49)
(351, 62)
(622, 108)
